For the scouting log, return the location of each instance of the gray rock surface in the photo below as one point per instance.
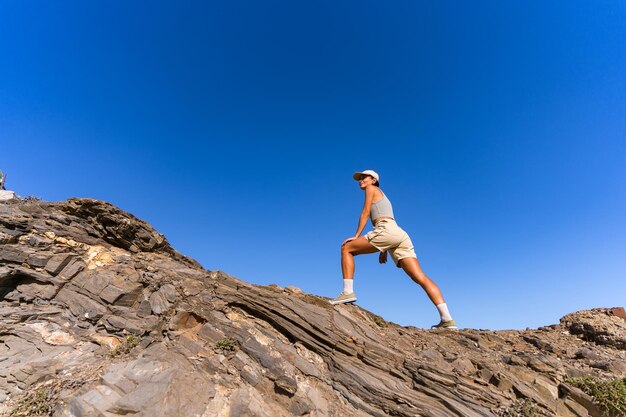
(98, 311)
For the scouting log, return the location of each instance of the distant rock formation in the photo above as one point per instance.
(100, 316)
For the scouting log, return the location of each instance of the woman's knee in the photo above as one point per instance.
(350, 249)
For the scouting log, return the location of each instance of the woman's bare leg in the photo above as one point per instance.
(412, 268)
(358, 246)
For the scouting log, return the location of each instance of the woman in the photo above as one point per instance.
(387, 236)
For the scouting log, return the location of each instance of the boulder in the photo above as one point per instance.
(6, 195)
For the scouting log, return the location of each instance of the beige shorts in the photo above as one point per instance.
(388, 236)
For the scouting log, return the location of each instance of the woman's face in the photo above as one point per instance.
(365, 181)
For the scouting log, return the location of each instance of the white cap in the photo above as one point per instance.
(358, 175)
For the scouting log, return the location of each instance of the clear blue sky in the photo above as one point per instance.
(498, 129)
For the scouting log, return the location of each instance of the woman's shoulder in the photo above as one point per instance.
(377, 193)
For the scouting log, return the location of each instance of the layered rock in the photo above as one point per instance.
(102, 315)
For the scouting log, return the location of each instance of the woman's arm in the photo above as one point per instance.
(365, 214)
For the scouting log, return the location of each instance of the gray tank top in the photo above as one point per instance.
(381, 208)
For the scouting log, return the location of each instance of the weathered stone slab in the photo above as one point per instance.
(463, 366)
(132, 325)
(121, 296)
(95, 282)
(39, 241)
(80, 305)
(28, 274)
(210, 333)
(192, 287)
(146, 394)
(286, 385)
(589, 354)
(58, 262)
(115, 379)
(39, 259)
(169, 292)
(35, 290)
(101, 398)
(547, 389)
(581, 398)
(12, 254)
(132, 295)
(144, 309)
(159, 303)
(71, 269)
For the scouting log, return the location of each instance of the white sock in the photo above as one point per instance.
(347, 286)
(443, 312)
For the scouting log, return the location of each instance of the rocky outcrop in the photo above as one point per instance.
(102, 317)
(7, 195)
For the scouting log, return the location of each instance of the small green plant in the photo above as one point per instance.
(127, 344)
(522, 408)
(380, 322)
(226, 345)
(609, 394)
(36, 403)
(315, 300)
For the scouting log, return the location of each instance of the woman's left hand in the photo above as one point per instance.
(350, 239)
(382, 258)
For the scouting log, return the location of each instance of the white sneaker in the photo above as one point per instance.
(344, 298)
